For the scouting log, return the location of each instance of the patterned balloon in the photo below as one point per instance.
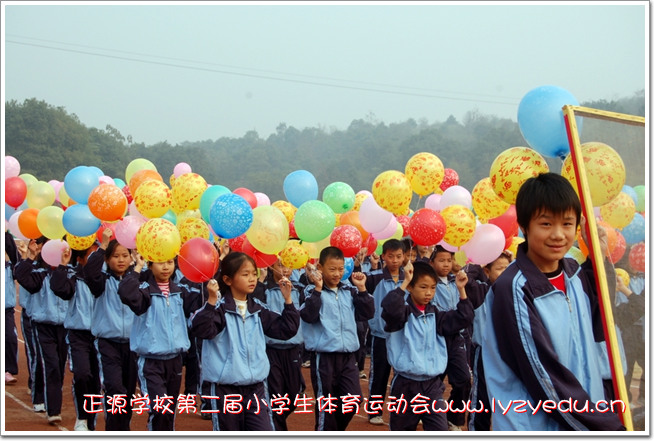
(392, 191)
(460, 224)
(294, 255)
(620, 247)
(425, 172)
(426, 227)
(358, 200)
(158, 240)
(192, 227)
(153, 198)
(623, 275)
(230, 215)
(512, 168)
(269, 230)
(637, 257)
(353, 218)
(450, 178)
(141, 176)
(605, 172)
(107, 203)
(188, 190)
(486, 203)
(346, 238)
(287, 208)
(620, 211)
(80, 243)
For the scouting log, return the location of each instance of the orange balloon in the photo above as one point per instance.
(27, 223)
(107, 202)
(141, 176)
(611, 234)
(352, 218)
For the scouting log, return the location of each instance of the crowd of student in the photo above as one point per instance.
(527, 329)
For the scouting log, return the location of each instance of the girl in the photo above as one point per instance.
(111, 323)
(233, 355)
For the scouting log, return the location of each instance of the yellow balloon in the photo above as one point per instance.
(192, 227)
(80, 242)
(392, 191)
(486, 203)
(28, 179)
(605, 172)
(460, 257)
(158, 240)
(619, 212)
(460, 224)
(152, 198)
(514, 245)
(40, 195)
(314, 248)
(188, 189)
(50, 222)
(358, 200)
(137, 165)
(64, 199)
(269, 230)
(623, 275)
(287, 208)
(294, 255)
(188, 214)
(512, 168)
(425, 172)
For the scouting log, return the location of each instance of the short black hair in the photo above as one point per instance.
(439, 249)
(422, 269)
(547, 191)
(393, 245)
(408, 244)
(330, 253)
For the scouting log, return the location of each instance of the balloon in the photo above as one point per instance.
(188, 214)
(188, 190)
(107, 203)
(460, 257)
(169, 216)
(512, 168)
(153, 198)
(433, 202)
(126, 231)
(314, 248)
(359, 198)
(456, 195)
(314, 221)
(623, 275)
(486, 203)
(119, 183)
(347, 239)
(208, 198)
(230, 215)
(15, 191)
(486, 244)
(631, 192)
(52, 251)
(388, 231)
(158, 240)
(373, 218)
(426, 227)
(450, 178)
(248, 195)
(80, 243)
(141, 176)
(605, 172)
(294, 255)
(79, 220)
(619, 249)
(136, 165)
(287, 208)
(620, 211)
(13, 226)
(640, 193)
(106, 180)
(262, 199)
(637, 257)
(111, 226)
(370, 244)
(611, 233)
(28, 179)
(12, 167)
(460, 224)
(180, 169)
(236, 244)
(79, 182)
(513, 248)
(63, 197)
(191, 227)
(269, 230)
(39, 195)
(198, 260)
(349, 267)
(392, 192)
(300, 186)
(354, 218)
(50, 222)
(404, 221)
(508, 222)
(339, 196)
(261, 259)
(635, 231)
(9, 211)
(577, 255)
(541, 122)
(425, 172)
(128, 194)
(27, 223)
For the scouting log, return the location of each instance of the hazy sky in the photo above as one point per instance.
(198, 71)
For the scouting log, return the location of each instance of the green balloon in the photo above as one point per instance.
(640, 192)
(339, 196)
(314, 221)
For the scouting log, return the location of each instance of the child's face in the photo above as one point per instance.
(162, 271)
(280, 270)
(495, 268)
(422, 290)
(442, 263)
(332, 271)
(393, 259)
(549, 237)
(119, 260)
(244, 281)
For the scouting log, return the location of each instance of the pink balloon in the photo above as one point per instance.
(366, 192)
(456, 195)
(486, 244)
(262, 199)
(181, 168)
(448, 247)
(133, 211)
(52, 251)
(433, 202)
(388, 231)
(13, 226)
(107, 180)
(374, 218)
(12, 167)
(126, 231)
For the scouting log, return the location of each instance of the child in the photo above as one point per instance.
(159, 335)
(234, 360)
(329, 316)
(539, 340)
(11, 336)
(380, 282)
(68, 283)
(416, 347)
(111, 324)
(458, 371)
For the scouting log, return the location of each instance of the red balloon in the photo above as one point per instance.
(620, 247)
(247, 195)
(236, 243)
(508, 222)
(15, 191)
(111, 225)
(450, 178)
(509, 242)
(292, 234)
(637, 257)
(128, 194)
(198, 260)
(347, 239)
(427, 227)
(404, 221)
(370, 244)
(262, 260)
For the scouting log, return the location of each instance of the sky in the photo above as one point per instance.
(199, 71)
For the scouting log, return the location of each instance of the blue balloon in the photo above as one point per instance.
(300, 186)
(97, 171)
(349, 267)
(231, 216)
(9, 211)
(541, 122)
(208, 198)
(119, 183)
(631, 192)
(79, 182)
(170, 216)
(635, 231)
(79, 221)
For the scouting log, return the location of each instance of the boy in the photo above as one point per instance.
(380, 282)
(329, 327)
(458, 370)
(539, 340)
(416, 347)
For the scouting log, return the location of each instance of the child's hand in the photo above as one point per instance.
(263, 273)
(461, 279)
(106, 238)
(214, 294)
(286, 286)
(374, 261)
(21, 245)
(317, 279)
(139, 262)
(65, 256)
(33, 250)
(408, 275)
(359, 280)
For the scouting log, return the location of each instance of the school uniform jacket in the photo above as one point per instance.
(416, 347)
(68, 283)
(234, 348)
(275, 302)
(329, 317)
(540, 344)
(159, 329)
(45, 306)
(10, 287)
(380, 282)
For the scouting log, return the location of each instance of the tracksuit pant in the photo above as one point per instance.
(34, 361)
(11, 342)
(161, 381)
(408, 414)
(247, 410)
(86, 372)
(479, 421)
(380, 372)
(458, 375)
(118, 377)
(52, 345)
(285, 377)
(362, 331)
